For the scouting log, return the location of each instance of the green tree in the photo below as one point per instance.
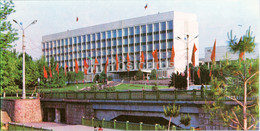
(139, 75)
(71, 77)
(153, 74)
(7, 36)
(79, 76)
(178, 81)
(102, 77)
(238, 81)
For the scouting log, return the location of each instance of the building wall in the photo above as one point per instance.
(23, 110)
(84, 42)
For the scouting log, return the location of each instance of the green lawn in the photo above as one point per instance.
(136, 86)
(72, 87)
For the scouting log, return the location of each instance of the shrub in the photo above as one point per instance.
(110, 89)
(109, 78)
(11, 89)
(96, 78)
(155, 88)
(185, 119)
(94, 87)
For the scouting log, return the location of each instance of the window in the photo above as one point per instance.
(108, 43)
(93, 37)
(143, 38)
(156, 45)
(131, 48)
(170, 43)
(169, 35)
(156, 36)
(79, 47)
(137, 30)
(131, 40)
(131, 30)
(125, 42)
(137, 39)
(98, 45)
(150, 28)
(114, 34)
(43, 45)
(62, 42)
(119, 33)
(125, 32)
(84, 38)
(103, 35)
(169, 25)
(150, 47)
(114, 42)
(109, 51)
(137, 48)
(119, 49)
(88, 38)
(119, 42)
(163, 26)
(143, 29)
(125, 49)
(163, 36)
(93, 45)
(109, 34)
(103, 44)
(163, 45)
(143, 47)
(70, 41)
(79, 39)
(66, 41)
(150, 56)
(150, 38)
(88, 45)
(163, 55)
(114, 51)
(156, 27)
(98, 36)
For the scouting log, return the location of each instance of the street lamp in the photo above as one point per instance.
(23, 48)
(187, 42)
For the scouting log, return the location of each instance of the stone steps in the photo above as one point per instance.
(5, 117)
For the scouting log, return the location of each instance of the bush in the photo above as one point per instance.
(155, 88)
(110, 78)
(153, 74)
(155, 84)
(96, 78)
(11, 89)
(94, 87)
(185, 119)
(110, 89)
(139, 75)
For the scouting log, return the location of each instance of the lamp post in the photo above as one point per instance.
(39, 83)
(23, 48)
(187, 43)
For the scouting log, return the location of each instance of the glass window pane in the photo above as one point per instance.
(125, 32)
(108, 34)
(93, 37)
(163, 36)
(119, 31)
(156, 27)
(169, 25)
(131, 30)
(143, 29)
(169, 35)
(137, 30)
(150, 28)
(103, 35)
(163, 26)
(114, 34)
(98, 36)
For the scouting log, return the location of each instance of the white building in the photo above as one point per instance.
(133, 36)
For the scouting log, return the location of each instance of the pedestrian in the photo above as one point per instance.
(95, 128)
(100, 128)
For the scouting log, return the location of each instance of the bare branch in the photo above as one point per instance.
(252, 117)
(249, 92)
(233, 126)
(251, 106)
(251, 76)
(236, 117)
(234, 99)
(250, 126)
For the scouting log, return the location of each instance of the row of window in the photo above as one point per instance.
(131, 31)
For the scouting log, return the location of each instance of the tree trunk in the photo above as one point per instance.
(244, 107)
(169, 123)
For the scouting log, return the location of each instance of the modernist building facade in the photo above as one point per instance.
(133, 36)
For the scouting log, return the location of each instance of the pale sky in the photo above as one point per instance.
(215, 17)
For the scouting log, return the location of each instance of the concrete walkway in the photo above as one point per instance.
(63, 127)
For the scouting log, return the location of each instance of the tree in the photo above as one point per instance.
(139, 75)
(102, 77)
(7, 36)
(239, 79)
(178, 81)
(71, 76)
(153, 74)
(174, 111)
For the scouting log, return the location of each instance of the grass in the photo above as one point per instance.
(136, 86)
(72, 87)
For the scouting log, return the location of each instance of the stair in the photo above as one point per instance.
(5, 117)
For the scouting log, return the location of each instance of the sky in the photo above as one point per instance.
(215, 17)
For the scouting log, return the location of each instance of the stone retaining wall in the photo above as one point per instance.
(23, 110)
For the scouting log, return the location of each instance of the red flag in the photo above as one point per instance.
(145, 6)
(96, 63)
(189, 73)
(241, 55)
(45, 73)
(198, 73)
(193, 55)
(65, 69)
(210, 73)
(142, 61)
(57, 68)
(250, 68)
(50, 71)
(155, 56)
(213, 53)
(128, 62)
(106, 66)
(76, 66)
(85, 67)
(77, 19)
(116, 62)
(172, 57)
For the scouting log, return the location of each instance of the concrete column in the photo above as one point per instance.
(57, 115)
